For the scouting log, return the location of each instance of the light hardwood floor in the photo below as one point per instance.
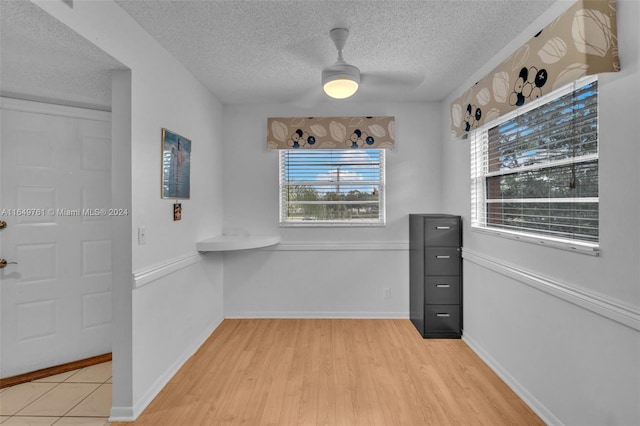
(333, 372)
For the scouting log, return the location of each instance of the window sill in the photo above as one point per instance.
(323, 224)
(572, 246)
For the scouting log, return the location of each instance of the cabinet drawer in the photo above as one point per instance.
(441, 290)
(442, 261)
(442, 232)
(442, 319)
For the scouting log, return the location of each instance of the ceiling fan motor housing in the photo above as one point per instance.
(340, 70)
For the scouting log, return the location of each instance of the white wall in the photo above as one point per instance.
(572, 365)
(325, 272)
(161, 321)
(562, 327)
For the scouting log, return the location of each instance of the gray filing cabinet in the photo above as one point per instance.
(435, 261)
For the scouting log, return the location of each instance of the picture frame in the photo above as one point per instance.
(176, 166)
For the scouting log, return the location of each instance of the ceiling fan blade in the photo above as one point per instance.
(312, 51)
(396, 79)
(309, 98)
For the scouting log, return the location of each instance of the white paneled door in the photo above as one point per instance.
(55, 196)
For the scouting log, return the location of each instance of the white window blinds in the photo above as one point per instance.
(332, 187)
(535, 172)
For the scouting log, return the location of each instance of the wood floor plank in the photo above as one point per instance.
(333, 372)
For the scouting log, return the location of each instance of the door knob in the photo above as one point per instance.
(4, 263)
(3, 224)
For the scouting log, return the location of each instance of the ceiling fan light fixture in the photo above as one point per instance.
(341, 80)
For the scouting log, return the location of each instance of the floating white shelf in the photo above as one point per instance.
(237, 242)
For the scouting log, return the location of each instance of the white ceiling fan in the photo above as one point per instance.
(341, 80)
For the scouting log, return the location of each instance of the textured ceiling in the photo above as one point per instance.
(42, 59)
(273, 51)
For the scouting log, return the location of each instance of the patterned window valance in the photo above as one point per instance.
(582, 41)
(331, 133)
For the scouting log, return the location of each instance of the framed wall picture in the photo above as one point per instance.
(176, 165)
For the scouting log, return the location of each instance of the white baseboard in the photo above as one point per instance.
(129, 414)
(121, 414)
(515, 386)
(317, 315)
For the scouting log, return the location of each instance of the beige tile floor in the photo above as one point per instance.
(79, 397)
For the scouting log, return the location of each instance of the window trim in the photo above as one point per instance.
(382, 222)
(478, 194)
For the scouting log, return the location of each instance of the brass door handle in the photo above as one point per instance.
(3, 224)
(4, 263)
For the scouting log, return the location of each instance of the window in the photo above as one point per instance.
(332, 187)
(534, 173)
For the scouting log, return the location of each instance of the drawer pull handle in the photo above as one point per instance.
(442, 257)
(444, 315)
(443, 227)
(443, 285)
